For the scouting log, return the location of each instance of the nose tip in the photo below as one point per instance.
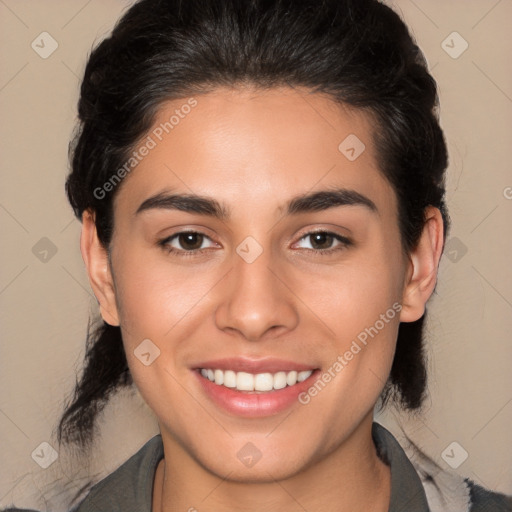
(256, 331)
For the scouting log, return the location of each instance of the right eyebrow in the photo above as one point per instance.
(190, 203)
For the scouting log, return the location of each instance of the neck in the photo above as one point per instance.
(351, 478)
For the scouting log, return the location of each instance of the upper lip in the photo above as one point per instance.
(242, 364)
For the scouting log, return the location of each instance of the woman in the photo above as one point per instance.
(261, 187)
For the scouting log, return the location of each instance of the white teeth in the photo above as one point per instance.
(291, 378)
(280, 380)
(263, 381)
(244, 381)
(303, 375)
(219, 377)
(229, 379)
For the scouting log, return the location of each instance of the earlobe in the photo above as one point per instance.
(423, 265)
(95, 257)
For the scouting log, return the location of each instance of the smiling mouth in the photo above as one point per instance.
(259, 382)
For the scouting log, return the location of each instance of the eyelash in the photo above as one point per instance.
(345, 242)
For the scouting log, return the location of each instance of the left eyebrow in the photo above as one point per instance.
(325, 199)
(312, 202)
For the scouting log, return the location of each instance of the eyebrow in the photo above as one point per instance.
(311, 202)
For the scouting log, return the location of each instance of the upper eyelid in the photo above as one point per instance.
(168, 239)
(342, 239)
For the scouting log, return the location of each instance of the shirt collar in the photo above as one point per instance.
(407, 491)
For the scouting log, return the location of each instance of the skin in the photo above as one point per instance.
(253, 151)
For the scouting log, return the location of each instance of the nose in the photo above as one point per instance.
(256, 300)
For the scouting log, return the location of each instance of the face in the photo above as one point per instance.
(294, 264)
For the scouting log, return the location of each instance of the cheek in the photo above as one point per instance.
(365, 318)
(354, 297)
(154, 296)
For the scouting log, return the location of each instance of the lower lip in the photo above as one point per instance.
(254, 404)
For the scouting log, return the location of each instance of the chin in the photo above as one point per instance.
(260, 473)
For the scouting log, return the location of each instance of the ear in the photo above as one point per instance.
(95, 257)
(422, 268)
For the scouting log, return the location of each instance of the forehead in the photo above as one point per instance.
(256, 147)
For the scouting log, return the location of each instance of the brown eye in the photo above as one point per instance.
(321, 240)
(324, 242)
(190, 241)
(185, 243)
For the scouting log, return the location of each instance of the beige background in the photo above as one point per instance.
(45, 305)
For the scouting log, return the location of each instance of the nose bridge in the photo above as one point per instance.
(255, 301)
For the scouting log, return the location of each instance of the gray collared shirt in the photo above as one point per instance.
(407, 492)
